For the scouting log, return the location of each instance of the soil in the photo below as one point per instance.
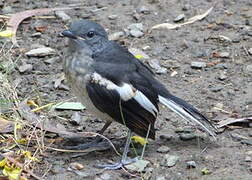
(227, 158)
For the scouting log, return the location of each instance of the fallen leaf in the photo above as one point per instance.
(139, 140)
(6, 126)
(69, 106)
(16, 19)
(189, 21)
(234, 120)
(6, 33)
(138, 166)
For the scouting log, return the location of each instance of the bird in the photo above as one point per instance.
(116, 86)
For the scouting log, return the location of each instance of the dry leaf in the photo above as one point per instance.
(6, 126)
(189, 21)
(16, 19)
(233, 120)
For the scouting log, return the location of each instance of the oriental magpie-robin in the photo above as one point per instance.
(114, 85)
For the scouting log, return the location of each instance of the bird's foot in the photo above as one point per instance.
(118, 165)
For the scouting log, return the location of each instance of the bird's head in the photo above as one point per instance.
(85, 33)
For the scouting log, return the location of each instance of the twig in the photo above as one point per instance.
(21, 166)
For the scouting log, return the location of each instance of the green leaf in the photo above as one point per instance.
(69, 106)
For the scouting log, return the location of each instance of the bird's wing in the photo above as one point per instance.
(130, 103)
(119, 55)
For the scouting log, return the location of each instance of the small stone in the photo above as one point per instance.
(221, 66)
(76, 118)
(224, 54)
(76, 166)
(154, 63)
(106, 176)
(166, 137)
(40, 52)
(138, 26)
(191, 164)
(198, 65)
(222, 76)
(146, 48)
(169, 160)
(216, 88)
(117, 35)
(183, 130)
(179, 18)
(62, 15)
(7, 10)
(249, 68)
(25, 68)
(37, 34)
(250, 51)
(136, 30)
(136, 33)
(187, 136)
(248, 159)
(163, 149)
(112, 17)
(143, 10)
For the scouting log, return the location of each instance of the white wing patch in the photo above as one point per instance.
(126, 91)
(145, 103)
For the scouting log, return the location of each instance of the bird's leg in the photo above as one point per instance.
(94, 143)
(125, 160)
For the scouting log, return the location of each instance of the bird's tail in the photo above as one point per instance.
(188, 112)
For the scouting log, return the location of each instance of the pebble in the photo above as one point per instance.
(112, 17)
(179, 18)
(25, 68)
(249, 68)
(216, 88)
(154, 63)
(117, 35)
(41, 52)
(62, 15)
(222, 66)
(106, 176)
(198, 65)
(7, 10)
(187, 136)
(222, 76)
(136, 33)
(136, 30)
(146, 48)
(143, 10)
(163, 149)
(191, 164)
(166, 137)
(250, 51)
(76, 118)
(224, 54)
(248, 159)
(183, 130)
(36, 34)
(169, 160)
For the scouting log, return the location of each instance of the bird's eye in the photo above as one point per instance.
(90, 34)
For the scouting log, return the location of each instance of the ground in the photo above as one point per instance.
(222, 89)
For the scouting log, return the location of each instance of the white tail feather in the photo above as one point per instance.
(184, 114)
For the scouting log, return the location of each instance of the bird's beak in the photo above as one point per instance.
(69, 34)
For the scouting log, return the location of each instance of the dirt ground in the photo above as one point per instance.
(222, 89)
